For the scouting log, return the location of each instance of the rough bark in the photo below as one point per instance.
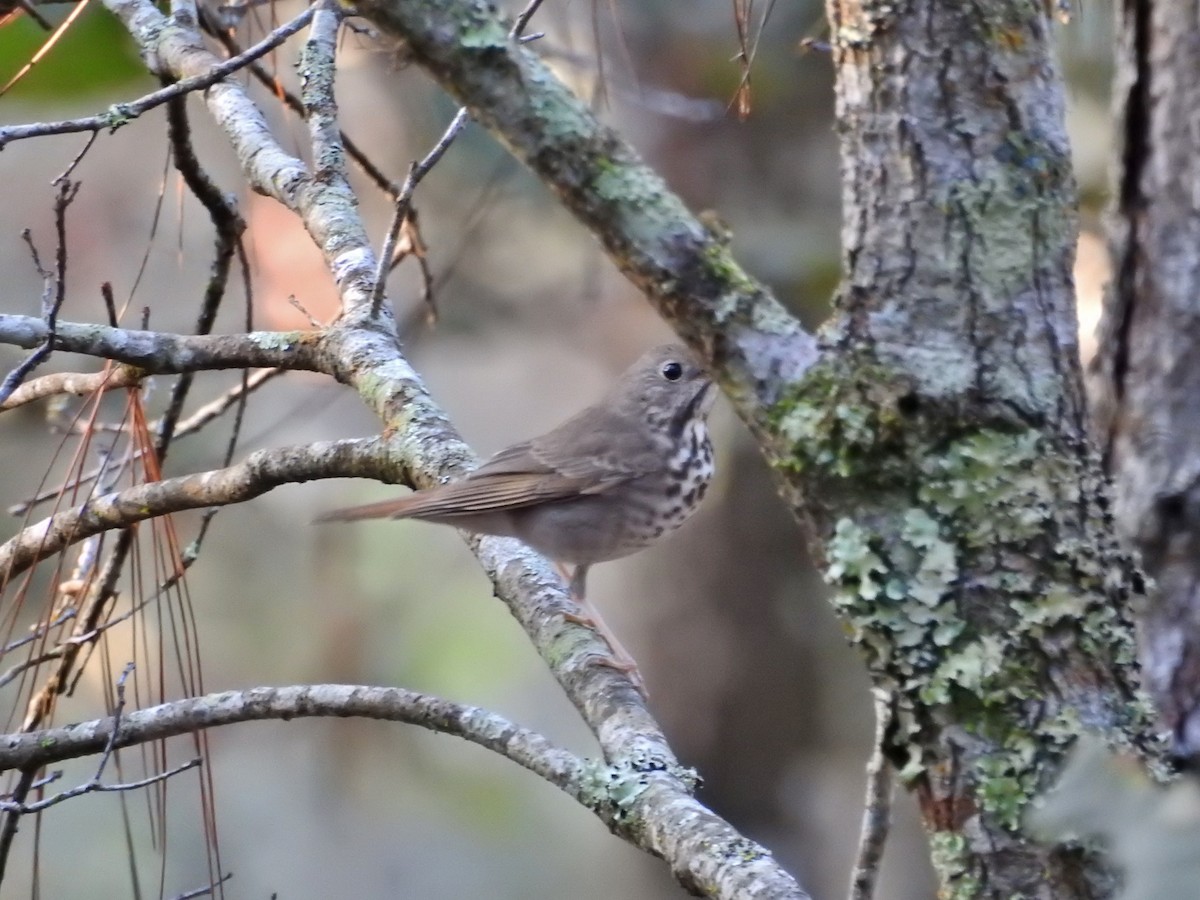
(1147, 368)
(941, 441)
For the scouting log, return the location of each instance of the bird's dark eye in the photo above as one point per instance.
(672, 371)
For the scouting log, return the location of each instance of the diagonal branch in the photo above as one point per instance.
(687, 272)
(258, 473)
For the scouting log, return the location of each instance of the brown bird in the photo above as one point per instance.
(607, 482)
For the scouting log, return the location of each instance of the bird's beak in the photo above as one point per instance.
(705, 398)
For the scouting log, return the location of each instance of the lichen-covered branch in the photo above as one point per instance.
(618, 794)
(686, 271)
(163, 353)
(940, 440)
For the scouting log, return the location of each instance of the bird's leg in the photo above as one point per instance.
(621, 659)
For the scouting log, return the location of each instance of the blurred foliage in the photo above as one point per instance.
(93, 55)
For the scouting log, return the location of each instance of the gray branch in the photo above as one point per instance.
(686, 271)
(524, 747)
(161, 353)
(258, 473)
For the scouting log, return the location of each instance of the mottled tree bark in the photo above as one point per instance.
(1148, 365)
(941, 442)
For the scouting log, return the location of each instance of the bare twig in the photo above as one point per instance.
(204, 891)
(877, 808)
(95, 787)
(214, 408)
(54, 291)
(78, 384)
(37, 632)
(121, 113)
(525, 747)
(416, 171)
(87, 145)
(94, 784)
(522, 20)
(261, 471)
(229, 227)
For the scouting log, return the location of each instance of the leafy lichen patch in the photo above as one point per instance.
(970, 563)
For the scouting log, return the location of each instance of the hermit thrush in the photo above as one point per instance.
(607, 482)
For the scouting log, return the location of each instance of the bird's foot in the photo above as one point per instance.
(628, 668)
(618, 657)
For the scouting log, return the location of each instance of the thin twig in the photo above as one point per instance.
(877, 808)
(121, 113)
(94, 784)
(53, 294)
(229, 227)
(416, 171)
(203, 891)
(87, 145)
(38, 632)
(522, 20)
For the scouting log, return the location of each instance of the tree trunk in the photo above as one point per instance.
(941, 442)
(1148, 365)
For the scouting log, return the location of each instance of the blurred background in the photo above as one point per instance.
(746, 666)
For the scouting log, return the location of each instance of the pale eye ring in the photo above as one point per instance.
(672, 371)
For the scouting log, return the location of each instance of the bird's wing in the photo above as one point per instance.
(589, 454)
(514, 478)
(598, 446)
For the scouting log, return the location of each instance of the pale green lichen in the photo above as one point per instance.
(949, 854)
(960, 562)
(619, 786)
(117, 115)
(273, 340)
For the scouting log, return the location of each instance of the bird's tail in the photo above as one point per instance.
(385, 509)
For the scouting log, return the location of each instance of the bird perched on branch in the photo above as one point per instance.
(609, 481)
